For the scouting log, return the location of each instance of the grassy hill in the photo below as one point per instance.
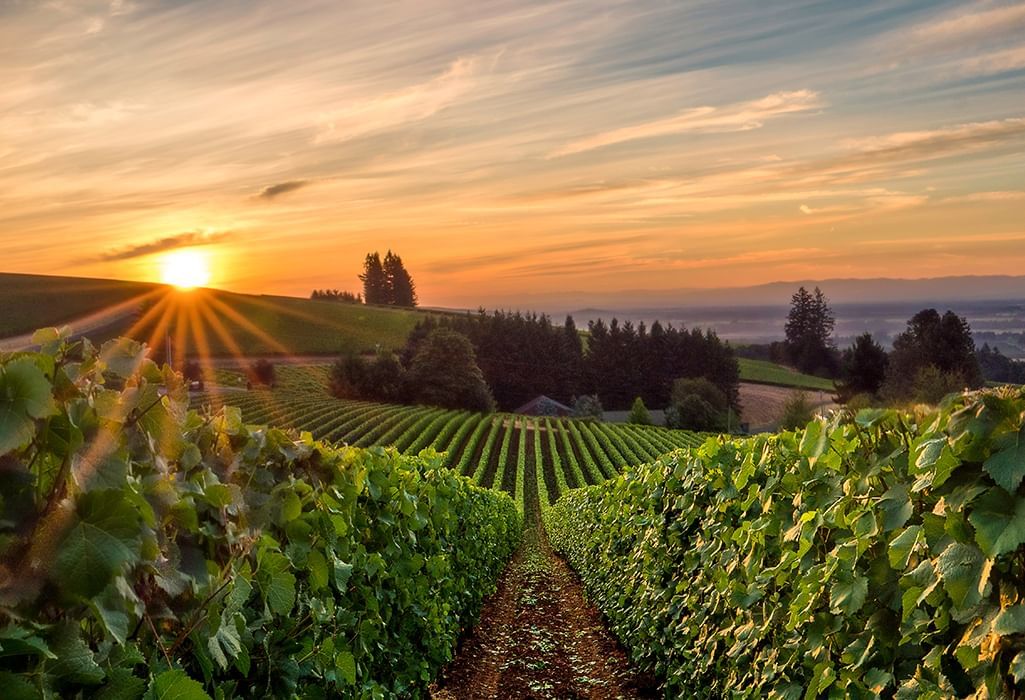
(215, 322)
(764, 372)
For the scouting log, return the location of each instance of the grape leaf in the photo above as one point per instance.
(999, 521)
(1007, 467)
(104, 537)
(24, 396)
(175, 685)
(964, 571)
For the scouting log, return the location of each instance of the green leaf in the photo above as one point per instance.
(814, 440)
(104, 537)
(342, 573)
(848, 595)
(1017, 668)
(317, 564)
(277, 582)
(110, 609)
(15, 687)
(1010, 620)
(1007, 467)
(896, 507)
(74, 662)
(121, 684)
(346, 666)
(24, 396)
(964, 572)
(999, 522)
(123, 356)
(226, 644)
(902, 545)
(175, 685)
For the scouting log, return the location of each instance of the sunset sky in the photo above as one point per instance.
(507, 148)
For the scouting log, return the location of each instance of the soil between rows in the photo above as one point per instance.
(538, 637)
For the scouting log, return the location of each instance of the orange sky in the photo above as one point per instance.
(512, 148)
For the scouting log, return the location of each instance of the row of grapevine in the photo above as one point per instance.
(496, 450)
(149, 551)
(865, 556)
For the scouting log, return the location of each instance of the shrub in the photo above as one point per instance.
(639, 413)
(261, 373)
(380, 379)
(797, 411)
(587, 407)
(878, 555)
(146, 546)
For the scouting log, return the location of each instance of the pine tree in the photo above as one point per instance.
(809, 330)
(400, 288)
(375, 282)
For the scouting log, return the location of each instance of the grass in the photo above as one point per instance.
(209, 322)
(28, 302)
(764, 372)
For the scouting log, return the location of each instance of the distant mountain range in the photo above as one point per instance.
(935, 290)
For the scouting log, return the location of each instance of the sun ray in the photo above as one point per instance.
(248, 325)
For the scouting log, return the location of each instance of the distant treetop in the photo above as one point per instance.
(387, 282)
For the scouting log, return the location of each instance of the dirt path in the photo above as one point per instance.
(537, 637)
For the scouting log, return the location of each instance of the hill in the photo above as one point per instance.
(216, 323)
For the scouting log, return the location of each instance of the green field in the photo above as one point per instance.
(28, 302)
(765, 372)
(208, 322)
(498, 450)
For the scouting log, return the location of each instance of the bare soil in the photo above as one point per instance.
(539, 638)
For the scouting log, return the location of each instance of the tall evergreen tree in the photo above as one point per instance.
(400, 286)
(809, 331)
(864, 368)
(375, 282)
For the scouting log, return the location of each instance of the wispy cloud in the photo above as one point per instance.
(741, 116)
(410, 104)
(280, 188)
(978, 21)
(180, 240)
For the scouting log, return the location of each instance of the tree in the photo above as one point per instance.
(697, 404)
(809, 331)
(587, 407)
(401, 289)
(997, 367)
(863, 368)
(444, 373)
(375, 283)
(639, 413)
(943, 342)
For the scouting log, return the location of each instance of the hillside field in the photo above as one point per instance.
(765, 372)
(202, 321)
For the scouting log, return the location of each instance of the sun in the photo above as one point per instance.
(185, 269)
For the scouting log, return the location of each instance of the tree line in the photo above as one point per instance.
(386, 282)
(934, 356)
(523, 355)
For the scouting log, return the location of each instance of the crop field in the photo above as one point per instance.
(501, 450)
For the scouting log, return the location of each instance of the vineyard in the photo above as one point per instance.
(501, 450)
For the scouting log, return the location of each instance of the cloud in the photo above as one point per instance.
(160, 245)
(394, 109)
(740, 116)
(980, 22)
(805, 209)
(280, 188)
(494, 259)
